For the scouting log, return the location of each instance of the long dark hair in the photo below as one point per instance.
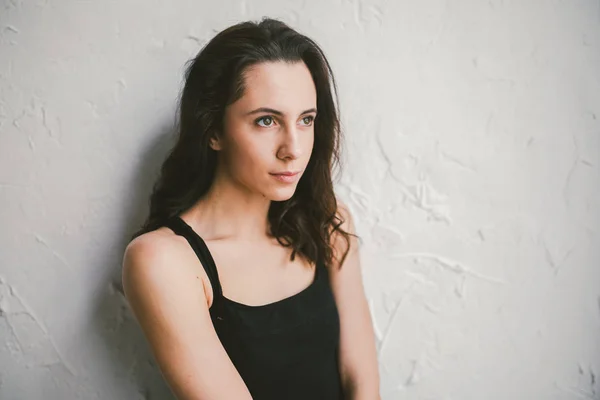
(213, 80)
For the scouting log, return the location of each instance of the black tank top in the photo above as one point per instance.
(287, 349)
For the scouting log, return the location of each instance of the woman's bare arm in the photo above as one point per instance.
(358, 355)
(166, 293)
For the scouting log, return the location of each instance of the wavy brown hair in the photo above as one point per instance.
(213, 80)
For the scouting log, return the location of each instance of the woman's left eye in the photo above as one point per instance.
(308, 120)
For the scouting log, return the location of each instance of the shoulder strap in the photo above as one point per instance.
(181, 228)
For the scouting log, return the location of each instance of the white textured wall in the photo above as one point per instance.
(472, 168)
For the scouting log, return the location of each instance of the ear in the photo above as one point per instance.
(215, 143)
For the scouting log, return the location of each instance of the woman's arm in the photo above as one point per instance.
(358, 355)
(166, 294)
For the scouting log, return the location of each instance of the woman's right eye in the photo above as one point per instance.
(268, 119)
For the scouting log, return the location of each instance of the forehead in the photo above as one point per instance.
(288, 87)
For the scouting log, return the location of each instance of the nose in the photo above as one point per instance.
(290, 148)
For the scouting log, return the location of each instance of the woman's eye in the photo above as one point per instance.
(269, 121)
(308, 120)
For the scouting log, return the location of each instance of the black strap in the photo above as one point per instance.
(180, 227)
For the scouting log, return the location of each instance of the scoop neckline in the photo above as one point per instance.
(288, 299)
(221, 297)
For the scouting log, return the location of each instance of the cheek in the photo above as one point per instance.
(308, 145)
(249, 157)
(311, 140)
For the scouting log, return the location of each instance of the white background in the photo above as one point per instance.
(471, 167)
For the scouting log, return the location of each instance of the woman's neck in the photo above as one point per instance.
(226, 211)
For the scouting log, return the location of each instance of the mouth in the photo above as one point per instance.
(286, 176)
(286, 173)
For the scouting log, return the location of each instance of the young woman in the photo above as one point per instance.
(246, 278)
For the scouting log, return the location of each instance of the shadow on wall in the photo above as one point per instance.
(130, 358)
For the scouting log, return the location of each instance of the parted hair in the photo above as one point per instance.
(214, 78)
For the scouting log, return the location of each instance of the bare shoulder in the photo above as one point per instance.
(149, 248)
(152, 254)
(163, 284)
(344, 212)
(160, 261)
(340, 245)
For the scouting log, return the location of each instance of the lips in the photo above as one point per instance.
(286, 176)
(286, 173)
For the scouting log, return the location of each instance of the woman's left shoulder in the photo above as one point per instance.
(344, 212)
(343, 241)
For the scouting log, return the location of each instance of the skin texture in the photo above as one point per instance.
(167, 287)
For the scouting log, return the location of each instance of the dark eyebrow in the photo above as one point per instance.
(276, 112)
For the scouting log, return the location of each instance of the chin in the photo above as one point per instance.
(282, 194)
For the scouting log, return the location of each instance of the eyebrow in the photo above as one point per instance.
(277, 112)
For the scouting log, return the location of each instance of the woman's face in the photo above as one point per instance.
(270, 130)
